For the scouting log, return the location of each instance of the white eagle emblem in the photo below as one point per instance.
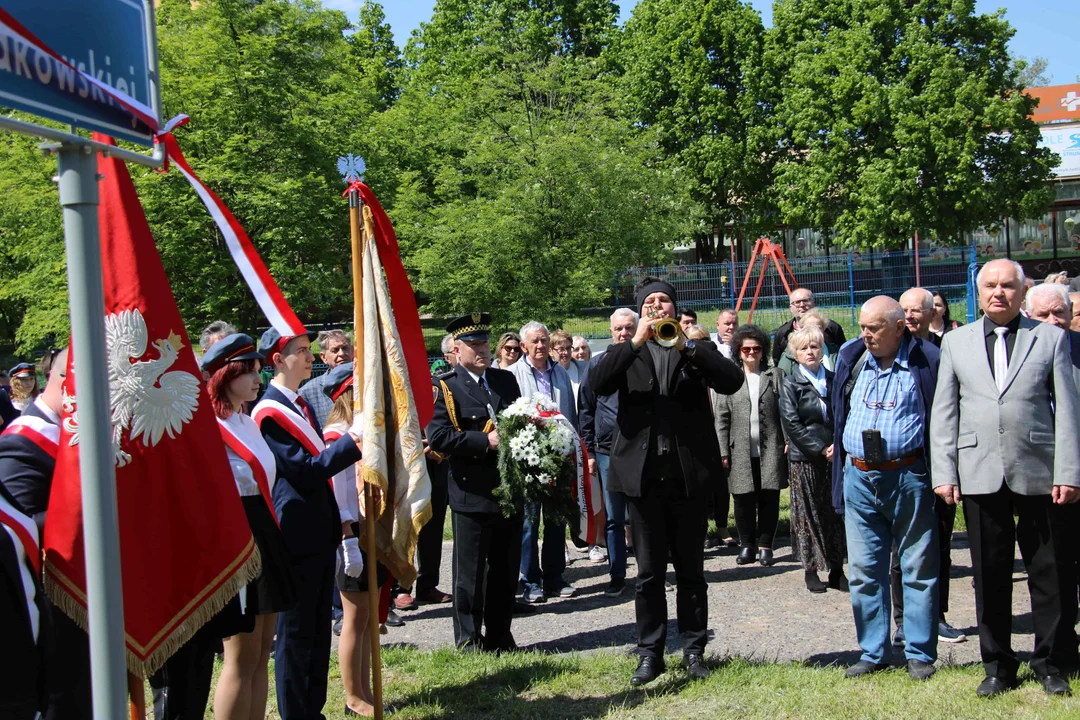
(351, 168)
(146, 399)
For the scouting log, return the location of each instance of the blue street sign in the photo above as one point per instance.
(106, 39)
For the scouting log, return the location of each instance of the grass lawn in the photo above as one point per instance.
(445, 684)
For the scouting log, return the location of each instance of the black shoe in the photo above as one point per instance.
(919, 670)
(648, 669)
(711, 542)
(993, 686)
(746, 556)
(898, 638)
(837, 580)
(813, 582)
(615, 588)
(392, 620)
(765, 557)
(695, 666)
(731, 543)
(1056, 685)
(865, 667)
(523, 608)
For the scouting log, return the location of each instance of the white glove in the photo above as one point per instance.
(354, 561)
(357, 427)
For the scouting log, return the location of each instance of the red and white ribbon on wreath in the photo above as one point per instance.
(266, 291)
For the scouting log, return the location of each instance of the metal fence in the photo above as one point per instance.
(841, 284)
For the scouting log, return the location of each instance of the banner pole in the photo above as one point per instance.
(370, 507)
(77, 181)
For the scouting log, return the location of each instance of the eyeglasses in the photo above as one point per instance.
(806, 301)
(750, 350)
(511, 348)
(563, 348)
(877, 403)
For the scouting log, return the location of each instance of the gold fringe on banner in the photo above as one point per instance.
(65, 595)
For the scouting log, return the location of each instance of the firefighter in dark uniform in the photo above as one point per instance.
(487, 545)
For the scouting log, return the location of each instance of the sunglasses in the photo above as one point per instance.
(750, 350)
(511, 348)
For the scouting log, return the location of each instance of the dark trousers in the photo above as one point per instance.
(946, 520)
(1043, 531)
(487, 552)
(181, 688)
(302, 647)
(69, 671)
(429, 542)
(719, 503)
(757, 513)
(664, 519)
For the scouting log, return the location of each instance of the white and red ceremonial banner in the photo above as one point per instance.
(588, 495)
(393, 457)
(185, 544)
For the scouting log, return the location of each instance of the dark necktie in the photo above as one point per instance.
(306, 410)
(482, 384)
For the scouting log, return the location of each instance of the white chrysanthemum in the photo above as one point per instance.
(545, 479)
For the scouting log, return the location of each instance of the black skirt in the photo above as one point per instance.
(276, 589)
(360, 584)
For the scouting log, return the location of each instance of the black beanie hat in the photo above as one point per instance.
(653, 285)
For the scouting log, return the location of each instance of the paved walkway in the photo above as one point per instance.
(754, 612)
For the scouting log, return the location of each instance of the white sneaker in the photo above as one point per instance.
(597, 554)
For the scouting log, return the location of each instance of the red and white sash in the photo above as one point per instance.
(37, 430)
(258, 470)
(291, 421)
(27, 549)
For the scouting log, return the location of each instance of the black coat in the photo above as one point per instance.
(807, 431)
(474, 472)
(834, 336)
(629, 372)
(26, 470)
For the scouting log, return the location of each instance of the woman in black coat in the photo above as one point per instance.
(817, 532)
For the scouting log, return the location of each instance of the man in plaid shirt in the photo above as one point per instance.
(882, 394)
(334, 349)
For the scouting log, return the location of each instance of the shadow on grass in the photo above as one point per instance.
(505, 693)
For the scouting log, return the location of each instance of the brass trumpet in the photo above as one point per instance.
(667, 331)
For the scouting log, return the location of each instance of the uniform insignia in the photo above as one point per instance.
(476, 318)
(446, 375)
(434, 393)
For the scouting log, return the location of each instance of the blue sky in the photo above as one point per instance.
(1046, 28)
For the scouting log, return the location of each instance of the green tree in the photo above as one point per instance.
(526, 193)
(1032, 73)
(33, 280)
(689, 72)
(274, 97)
(897, 116)
(377, 59)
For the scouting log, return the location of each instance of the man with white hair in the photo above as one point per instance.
(447, 347)
(1004, 442)
(1049, 303)
(802, 300)
(726, 322)
(538, 374)
(882, 394)
(918, 306)
(596, 422)
(334, 349)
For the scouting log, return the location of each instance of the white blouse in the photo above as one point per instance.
(247, 432)
(348, 501)
(753, 386)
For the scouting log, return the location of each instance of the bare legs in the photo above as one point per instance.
(354, 653)
(244, 682)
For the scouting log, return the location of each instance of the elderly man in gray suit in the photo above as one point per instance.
(536, 372)
(1004, 441)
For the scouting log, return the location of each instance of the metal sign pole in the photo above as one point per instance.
(78, 178)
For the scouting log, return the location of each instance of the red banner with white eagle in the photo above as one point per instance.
(185, 545)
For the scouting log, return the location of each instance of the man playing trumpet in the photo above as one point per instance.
(662, 459)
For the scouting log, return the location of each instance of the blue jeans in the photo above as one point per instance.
(883, 507)
(615, 509)
(553, 555)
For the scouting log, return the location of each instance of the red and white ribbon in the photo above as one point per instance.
(266, 291)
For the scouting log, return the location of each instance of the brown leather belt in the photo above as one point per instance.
(896, 464)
